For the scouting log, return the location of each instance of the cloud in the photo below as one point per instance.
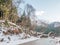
(38, 13)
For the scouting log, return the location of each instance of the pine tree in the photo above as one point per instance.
(9, 11)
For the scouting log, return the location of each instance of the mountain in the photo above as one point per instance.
(41, 26)
(55, 24)
(53, 27)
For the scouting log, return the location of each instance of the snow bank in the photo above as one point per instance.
(57, 40)
(15, 41)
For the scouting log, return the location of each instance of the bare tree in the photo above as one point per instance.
(17, 2)
(29, 10)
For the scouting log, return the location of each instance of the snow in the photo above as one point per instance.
(57, 39)
(19, 39)
(2, 21)
(15, 40)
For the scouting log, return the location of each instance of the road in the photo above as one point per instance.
(43, 41)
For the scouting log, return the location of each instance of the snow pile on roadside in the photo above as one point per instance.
(7, 38)
(57, 40)
(15, 40)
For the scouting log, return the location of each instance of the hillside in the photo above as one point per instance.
(54, 27)
(10, 33)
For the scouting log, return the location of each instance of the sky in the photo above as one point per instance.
(48, 10)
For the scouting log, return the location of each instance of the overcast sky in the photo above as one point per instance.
(48, 10)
